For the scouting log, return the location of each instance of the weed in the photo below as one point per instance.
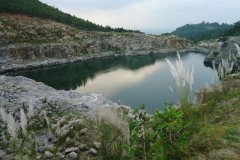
(184, 81)
(157, 136)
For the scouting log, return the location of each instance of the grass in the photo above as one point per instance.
(210, 131)
(219, 125)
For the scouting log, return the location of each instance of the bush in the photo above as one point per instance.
(159, 136)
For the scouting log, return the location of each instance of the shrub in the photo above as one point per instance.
(157, 136)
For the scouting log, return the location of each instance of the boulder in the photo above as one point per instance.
(48, 154)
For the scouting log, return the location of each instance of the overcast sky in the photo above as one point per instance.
(151, 16)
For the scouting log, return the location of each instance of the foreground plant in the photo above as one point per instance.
(157, 136)
(12, 126)
(184, 81)
(112, 126)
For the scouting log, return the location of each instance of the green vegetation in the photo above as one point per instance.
(39, 9)
(234, 31)
(210, 131)
(158, 136)
(202, 31)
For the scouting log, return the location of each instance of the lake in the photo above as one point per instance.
(133, 80)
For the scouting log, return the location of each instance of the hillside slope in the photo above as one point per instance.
(38, 9)
(29, 42)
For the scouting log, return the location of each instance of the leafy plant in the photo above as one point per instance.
(139, 142)
(157, 136)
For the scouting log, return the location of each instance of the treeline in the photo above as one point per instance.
(202, 31)
(233, 31)
(42, 10)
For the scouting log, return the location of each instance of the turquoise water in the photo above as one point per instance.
(129, 80)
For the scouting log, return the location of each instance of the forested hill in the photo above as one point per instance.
(39, 9)
(233, 31)
(201, 31)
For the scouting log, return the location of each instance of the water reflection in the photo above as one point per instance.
(132, 80)
(111, 81)
(71, 76)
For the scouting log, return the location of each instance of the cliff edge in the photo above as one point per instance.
(27, 42)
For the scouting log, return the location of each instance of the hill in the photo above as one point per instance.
(38, 9)
(233, 31)
(31, 41)
(204, 30)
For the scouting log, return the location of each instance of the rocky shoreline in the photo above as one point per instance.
(29, 42)
(28, 64)
(226, 50)
(16, 92)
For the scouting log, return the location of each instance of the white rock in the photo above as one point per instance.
(48, 154)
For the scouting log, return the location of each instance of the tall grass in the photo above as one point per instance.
(183, 76)
(23, 122)
(3, 115)
(12, 125)
(112, 125)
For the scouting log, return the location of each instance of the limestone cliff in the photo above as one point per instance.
(32, 42)
(225, 50)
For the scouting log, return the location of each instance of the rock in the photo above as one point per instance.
(40, 149)
(3, 125)
(68, 150)
(224, 50)
(32, 90)
(83, 131)
(72, 156)
(68, 139)
(208, 61)
(92, 151)
(82, 146)
(71, 45)
(48, 154)
(97, 145)
(2, 153)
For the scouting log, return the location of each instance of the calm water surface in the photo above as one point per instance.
(130, 80)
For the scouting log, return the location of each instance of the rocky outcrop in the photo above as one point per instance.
(62, 125)
(27, 42)
(16, 92)
(226, 50)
